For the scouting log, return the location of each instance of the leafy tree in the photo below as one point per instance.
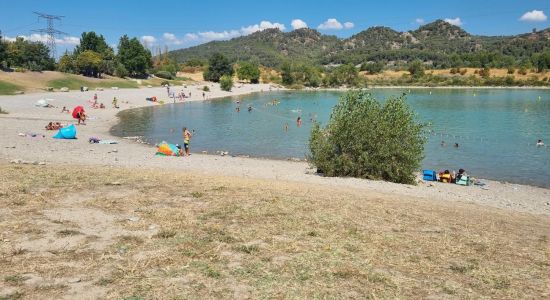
(226, 83)
(120, 71)
(416, 68)
(67, 63)
(248, 71)
(345, 74)
(367, 139)
(3, 52)
(134, 56)
(373, 68)
(34, 56)
(218, 66)
(88, 63)
(92, 41)
(286, 74)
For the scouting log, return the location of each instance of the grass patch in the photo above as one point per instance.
(7, 88)
(14, 279)
(74, 82)
(68, 232)
(165, 234)
(313, 242)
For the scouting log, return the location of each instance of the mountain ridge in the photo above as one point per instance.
(434, 43)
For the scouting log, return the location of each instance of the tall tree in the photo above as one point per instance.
(134, 56)
(248, 71)
(3, 52)
(88, 63)
(218, 66)
(34, 56)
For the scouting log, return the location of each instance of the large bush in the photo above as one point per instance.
(164, 74)
(368, 139)
(226, 83)
(218, 66)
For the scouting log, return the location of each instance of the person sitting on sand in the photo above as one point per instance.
(64, 109)
(101, 105)
(540, 143)
(446, 177)
(462, 178)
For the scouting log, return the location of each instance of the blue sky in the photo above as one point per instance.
(180, 24)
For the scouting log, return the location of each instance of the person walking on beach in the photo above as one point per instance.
(186, 139)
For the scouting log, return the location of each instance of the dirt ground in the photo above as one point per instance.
(86, 232)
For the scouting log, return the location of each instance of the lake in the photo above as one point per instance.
(496, 129)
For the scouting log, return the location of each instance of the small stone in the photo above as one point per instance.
(547, 203)
(115, 150)
(15, 161)
(153, 227)
(74, 280)
(115, 183)
(133, 219)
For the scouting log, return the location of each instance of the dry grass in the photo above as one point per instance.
(249, 238)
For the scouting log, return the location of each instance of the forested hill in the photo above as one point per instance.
(439, 43)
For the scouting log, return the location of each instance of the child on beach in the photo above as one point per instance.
(115, 103)
(64, 109)
(186, 139)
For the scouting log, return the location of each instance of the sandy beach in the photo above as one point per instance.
(24, 117)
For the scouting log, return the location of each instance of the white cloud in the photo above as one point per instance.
(348, 25)
(148, 39)
(36, 37)
(330, 24)
(420, 21)
(222, 35)
(171, 39)
(190, 37)
(456, 21)
(263, 25)
(534, 16)
(297, 24)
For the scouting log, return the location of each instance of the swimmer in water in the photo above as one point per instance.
(299, 121)
(249, 108)
(442, 144)
(286, 127)
(238, 109)
(540, 143)
(456, 145)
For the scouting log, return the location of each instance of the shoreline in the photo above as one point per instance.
(24, 117)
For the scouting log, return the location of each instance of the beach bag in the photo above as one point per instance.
(429, 175)
(463, 180)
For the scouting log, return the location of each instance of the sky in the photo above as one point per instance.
(181, 24)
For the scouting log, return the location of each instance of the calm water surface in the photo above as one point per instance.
(496, 129)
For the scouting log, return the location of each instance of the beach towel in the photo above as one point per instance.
(167, 149)
(68, 132)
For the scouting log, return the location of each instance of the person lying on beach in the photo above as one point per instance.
(53, 126)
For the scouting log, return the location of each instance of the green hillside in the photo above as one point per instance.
(438, 44)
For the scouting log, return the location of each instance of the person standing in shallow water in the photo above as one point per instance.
(186, 139)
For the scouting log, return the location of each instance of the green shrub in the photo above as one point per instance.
(416, 68)
(226, 83)
(121, 71)
(367, 139)
(164, 75)
(164, 83)
(205, 89)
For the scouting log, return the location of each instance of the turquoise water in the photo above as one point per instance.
(496, 129)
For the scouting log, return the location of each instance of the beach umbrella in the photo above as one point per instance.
(77, 110)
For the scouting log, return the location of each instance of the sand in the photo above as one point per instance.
(24, 117)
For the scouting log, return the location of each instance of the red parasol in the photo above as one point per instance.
(77, 110)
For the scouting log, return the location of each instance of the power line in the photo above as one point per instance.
(50, 31)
